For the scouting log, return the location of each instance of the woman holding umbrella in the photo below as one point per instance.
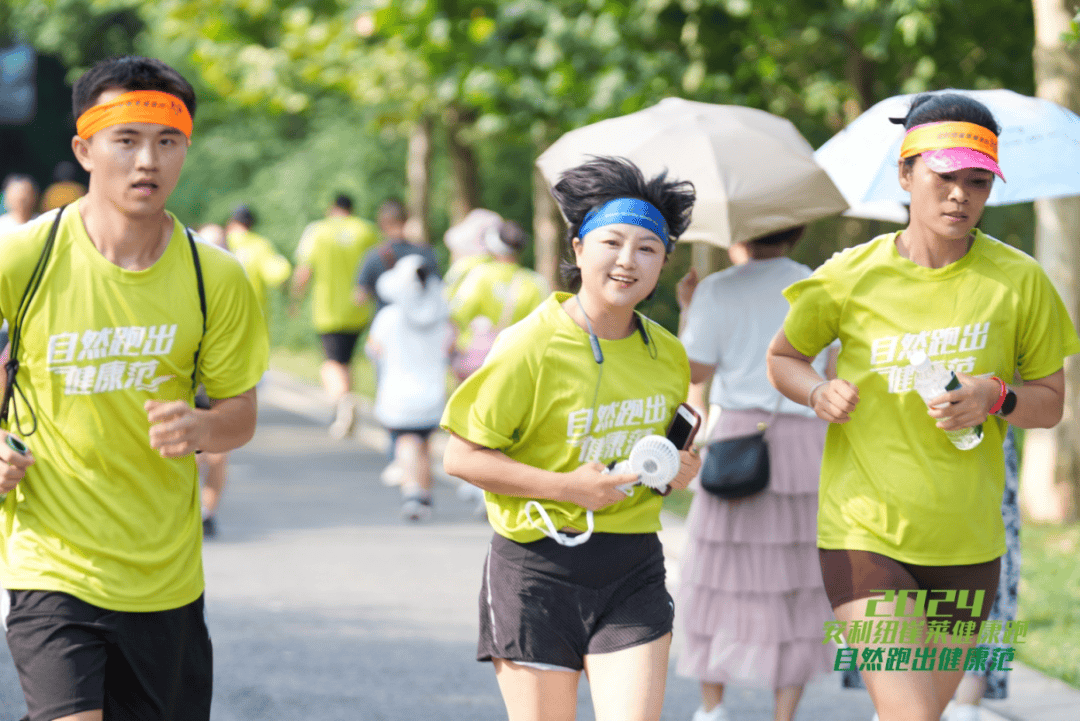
(574, 577)
(900, 506)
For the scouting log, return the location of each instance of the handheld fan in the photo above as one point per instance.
(655, 461)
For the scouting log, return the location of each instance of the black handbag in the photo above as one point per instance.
(738, 467)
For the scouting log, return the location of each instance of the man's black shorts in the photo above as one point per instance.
(339, 347)
(548, 605)
(73, 657)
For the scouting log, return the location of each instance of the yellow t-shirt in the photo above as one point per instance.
(333, 249)
(487, 289)
(992, 312)
(101, 515)
(533, 400)
(460, 270)
(265, 267)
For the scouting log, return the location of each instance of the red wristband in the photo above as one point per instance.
(1001, 398)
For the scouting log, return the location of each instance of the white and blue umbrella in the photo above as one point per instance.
(1038, 151)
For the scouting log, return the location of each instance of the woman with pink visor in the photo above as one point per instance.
(910, 531)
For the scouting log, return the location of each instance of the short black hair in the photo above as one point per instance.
(344, 202)
(130, 72)
(65, 172)
(789, 235)
(945, 107)
(393, 209)
(243, 216)
(605, 178)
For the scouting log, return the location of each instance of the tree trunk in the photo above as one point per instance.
(1050, 484)
(465, 175)
(418, 174)
(548, 229)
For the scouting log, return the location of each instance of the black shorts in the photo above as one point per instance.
(72, 657)
(396, 433)
(549, 605)
(339, 347)
(851, 575)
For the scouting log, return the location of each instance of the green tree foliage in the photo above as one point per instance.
(77, 32)
(510, 76)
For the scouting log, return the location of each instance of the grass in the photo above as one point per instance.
(1049, 600)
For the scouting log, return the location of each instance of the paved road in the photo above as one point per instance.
(324, 605)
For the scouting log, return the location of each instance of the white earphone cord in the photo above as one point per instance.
(561, 538)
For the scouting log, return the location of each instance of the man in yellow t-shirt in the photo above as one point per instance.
(328, 257)
(265, 267)
(100, 542)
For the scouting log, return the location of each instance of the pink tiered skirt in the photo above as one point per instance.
(750, 598)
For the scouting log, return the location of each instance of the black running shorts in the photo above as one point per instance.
(542, 603)
(339, 347)
(72, 657)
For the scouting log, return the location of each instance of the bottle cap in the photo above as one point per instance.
(919, 359)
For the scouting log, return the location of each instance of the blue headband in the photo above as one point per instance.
(631, 211)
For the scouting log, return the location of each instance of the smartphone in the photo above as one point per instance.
(684, 426)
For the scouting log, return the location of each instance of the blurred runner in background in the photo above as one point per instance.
(328, 258)
(266, 268)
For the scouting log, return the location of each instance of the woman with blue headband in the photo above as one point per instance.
(574, 576)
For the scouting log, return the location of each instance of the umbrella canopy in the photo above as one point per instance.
(1038, 150)
(753, 172)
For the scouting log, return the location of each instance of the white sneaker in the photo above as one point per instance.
(392, 475)
(344, 420)
(964, 712)
(716, 714)
(416, 508)
(471, 494)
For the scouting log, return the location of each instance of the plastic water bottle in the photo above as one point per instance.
(933, 380)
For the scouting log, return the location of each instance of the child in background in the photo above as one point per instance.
(410, 341)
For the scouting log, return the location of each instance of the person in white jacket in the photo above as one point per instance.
(410, 340)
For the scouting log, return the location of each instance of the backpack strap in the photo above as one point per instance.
(202, 303)
(12, 365)
(386, 255)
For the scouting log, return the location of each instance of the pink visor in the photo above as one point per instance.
(953, 159)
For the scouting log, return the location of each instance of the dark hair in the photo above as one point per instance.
(65, 172)
(943, 107)
(422, 274)
(790, 235)
(344, 202)
(605, 178)
(513, 235)
(393, 210)
(243, 216)
(18, 178)
(131, 72)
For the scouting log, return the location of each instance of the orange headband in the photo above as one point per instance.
(940, 136)
(137, 106)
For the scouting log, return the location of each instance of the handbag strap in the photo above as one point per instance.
(776, 411)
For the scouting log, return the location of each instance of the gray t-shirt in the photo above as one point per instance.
(373, 266)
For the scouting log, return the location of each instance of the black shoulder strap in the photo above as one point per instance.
(12, 365)
(202, 303)
(387, 255)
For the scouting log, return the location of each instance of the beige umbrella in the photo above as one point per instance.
(753, 172)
